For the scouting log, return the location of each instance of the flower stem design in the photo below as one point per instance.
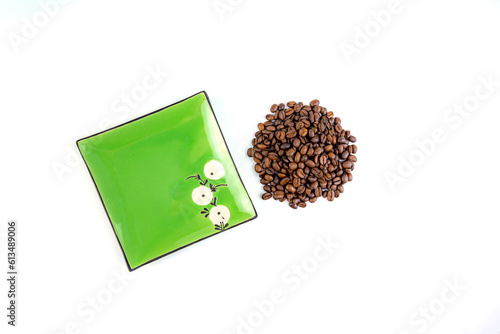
(214, 187)
(197, 177)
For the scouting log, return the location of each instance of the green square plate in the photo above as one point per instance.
(166, 180)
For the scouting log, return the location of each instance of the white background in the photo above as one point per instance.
(398, 247)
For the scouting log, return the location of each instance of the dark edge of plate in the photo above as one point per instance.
(138, 118)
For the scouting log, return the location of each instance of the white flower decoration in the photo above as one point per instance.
(202, 195)
(219, 215)
(214, 170)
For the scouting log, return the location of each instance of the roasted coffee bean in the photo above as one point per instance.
(279, 194)
(266, 196)
(273, 156)
(330, 195)
(290, 188)
(347, 164)
(300, 173)
(296, 142)
(268, 177)
(284, 181)
(302, 153)
(310, 163)
(303, 150)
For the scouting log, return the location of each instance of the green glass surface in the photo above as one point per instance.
(149, 172)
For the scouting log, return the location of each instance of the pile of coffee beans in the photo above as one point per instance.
(302, 153)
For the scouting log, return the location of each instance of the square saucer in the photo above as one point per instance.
(166, 180)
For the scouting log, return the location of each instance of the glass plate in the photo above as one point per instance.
(166, 180)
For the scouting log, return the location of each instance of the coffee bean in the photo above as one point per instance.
(266, 163)
(347, 164)
(303, 150)
(284, 181)
(273, 156)
(300, 173)
(302, 153)
(314, 103)
(279, 194)
(310, 163)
